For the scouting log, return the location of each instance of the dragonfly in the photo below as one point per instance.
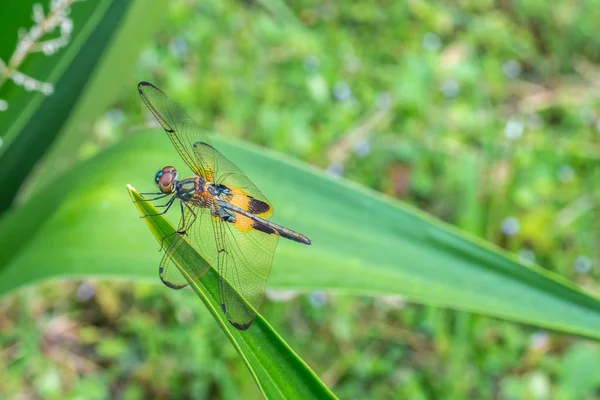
(224, 216)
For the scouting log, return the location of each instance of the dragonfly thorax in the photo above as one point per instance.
(196, 191)
(187, 189)
(219, 191)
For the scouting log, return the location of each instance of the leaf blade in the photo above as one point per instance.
(363, 242)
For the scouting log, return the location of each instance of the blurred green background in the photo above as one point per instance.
(484, 114)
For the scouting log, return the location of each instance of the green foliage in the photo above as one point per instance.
(483, 114)
(363, 243)
(35, 120)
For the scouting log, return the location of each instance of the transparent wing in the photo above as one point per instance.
(245, 194)
(245, 248)
(245, 256)
(180, 127)
(168, 271)
(193, 221)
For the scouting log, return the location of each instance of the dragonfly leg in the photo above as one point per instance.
(182, 229)
(145, 193)
(191, 210)
(160, 196)
(168, 205)
(162, 241)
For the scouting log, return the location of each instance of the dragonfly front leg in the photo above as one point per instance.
(160, 196)
(168, 205)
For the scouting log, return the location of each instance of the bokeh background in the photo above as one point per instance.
(485, 114)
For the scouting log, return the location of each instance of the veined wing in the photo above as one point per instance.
(196, 224)
(245, 253)
(245, 257)
(180, 127)
(243, 193)
(194, 147)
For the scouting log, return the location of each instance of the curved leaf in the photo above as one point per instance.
(363, 242)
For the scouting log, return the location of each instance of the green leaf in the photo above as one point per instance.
(25, 139)
(277, 370)
(144, 17)
(363, 242)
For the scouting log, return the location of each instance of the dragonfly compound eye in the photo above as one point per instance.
(165, 178)
(157, 177)
(170, 170)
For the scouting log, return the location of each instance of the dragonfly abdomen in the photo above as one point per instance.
(289, 234)
(265, 226)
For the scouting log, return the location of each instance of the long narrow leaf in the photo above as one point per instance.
(363, 242)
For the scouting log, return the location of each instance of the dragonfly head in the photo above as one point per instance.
(165, 179)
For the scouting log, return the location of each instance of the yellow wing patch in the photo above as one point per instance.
(239, 199)
(250, 204)
(243, 223)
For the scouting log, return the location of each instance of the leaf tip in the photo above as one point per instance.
(133, 193)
